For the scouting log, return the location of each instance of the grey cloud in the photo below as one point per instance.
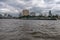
(49, 1)
(27, 3)
(56, 12)
(26, 0)
(3, 0)
(19, 6)
(36, 9)
(58, 3)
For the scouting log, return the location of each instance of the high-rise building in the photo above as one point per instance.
(25, 12)
(50, 14)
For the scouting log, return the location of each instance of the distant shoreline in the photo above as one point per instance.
(40, 19)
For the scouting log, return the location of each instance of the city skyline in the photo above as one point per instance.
(38, 6)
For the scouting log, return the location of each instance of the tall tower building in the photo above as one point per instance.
(25, 12)
(50, 14)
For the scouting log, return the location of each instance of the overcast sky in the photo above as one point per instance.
(39, 6)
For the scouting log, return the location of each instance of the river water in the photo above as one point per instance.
(15, 29)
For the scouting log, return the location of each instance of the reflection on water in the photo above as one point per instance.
(14, 29)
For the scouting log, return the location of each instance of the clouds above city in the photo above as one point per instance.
(40, 6)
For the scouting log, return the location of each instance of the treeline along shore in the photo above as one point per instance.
(39, 17)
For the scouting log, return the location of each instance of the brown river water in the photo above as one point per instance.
(16, 29)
